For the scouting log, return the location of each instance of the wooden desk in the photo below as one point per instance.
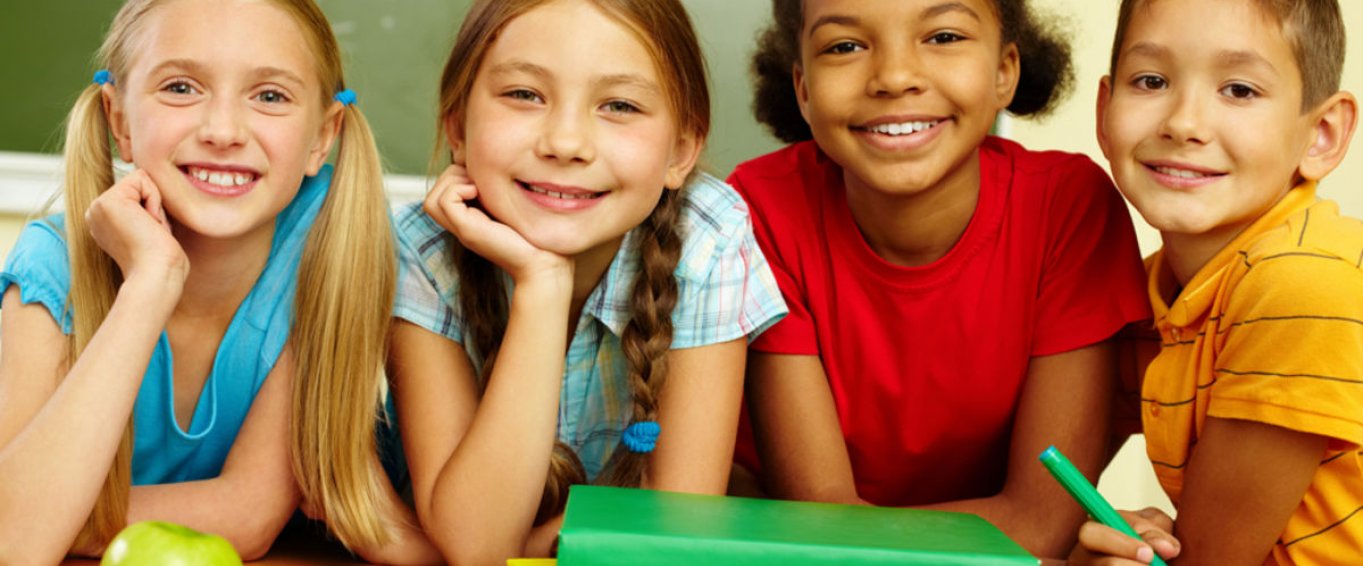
(301, 544)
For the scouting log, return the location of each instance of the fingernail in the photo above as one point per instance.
(1145, 554)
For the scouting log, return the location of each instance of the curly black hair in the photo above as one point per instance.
(1047, 70)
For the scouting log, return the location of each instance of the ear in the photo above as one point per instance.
(1333, 123)
(118, 122)
(332, 122)
(1010, 70)
(684, 157)
(454, 135)
(1104, 97)
(797, 75)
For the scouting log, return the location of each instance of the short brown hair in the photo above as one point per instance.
(1314, 29)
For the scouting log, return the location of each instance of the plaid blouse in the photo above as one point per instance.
(725, 291)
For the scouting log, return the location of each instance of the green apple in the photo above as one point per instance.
(159, 543)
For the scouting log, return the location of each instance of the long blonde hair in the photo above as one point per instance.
(347, 279)
(664, 27)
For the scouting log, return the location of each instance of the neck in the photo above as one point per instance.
(222, 271)
(919, 227)
(588, 269)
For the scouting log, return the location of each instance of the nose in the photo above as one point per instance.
(897, 72)
(223, 123)
(567, 135)
(1186, 120)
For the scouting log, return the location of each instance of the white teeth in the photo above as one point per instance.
(903, 128)
(221, 178)
(560, 195)
(1180, 173)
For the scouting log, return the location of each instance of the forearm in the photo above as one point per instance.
(1047, 529)
(489, 489)
(63, 453)
(248, 514)
(409, 544)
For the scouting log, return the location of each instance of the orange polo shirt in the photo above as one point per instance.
(1270, 330)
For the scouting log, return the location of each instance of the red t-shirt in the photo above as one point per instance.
(926, 363)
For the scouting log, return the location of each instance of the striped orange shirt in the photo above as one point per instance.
(1271, 331)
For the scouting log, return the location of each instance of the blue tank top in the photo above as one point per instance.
(163, 452)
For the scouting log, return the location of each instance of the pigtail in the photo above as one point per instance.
(94, 283)
(648, 336)
(1047, 71)
(778, 51)
(346, 284)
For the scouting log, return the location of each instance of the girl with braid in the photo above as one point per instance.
(574, 299)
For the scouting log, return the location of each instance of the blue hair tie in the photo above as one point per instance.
(641, 436)
(346, 97)
(103, 77)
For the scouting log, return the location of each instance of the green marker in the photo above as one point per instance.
(1083, 492)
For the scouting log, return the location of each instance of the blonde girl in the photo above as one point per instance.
(566, 268)
(225, 109)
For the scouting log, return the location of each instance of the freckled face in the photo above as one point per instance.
(222, 108)
(568, 133)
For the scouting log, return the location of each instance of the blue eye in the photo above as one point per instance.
(179, 87)
(621, 107)
(272, 97)
(523, 95)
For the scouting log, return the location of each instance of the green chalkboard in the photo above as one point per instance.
(394, 51)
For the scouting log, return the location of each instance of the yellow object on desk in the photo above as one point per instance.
(531, 562)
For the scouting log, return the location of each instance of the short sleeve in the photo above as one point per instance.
(725, 286)
(794, 333)
(38, 265)
(1093, 283)
(1293, 352)
(426, 295)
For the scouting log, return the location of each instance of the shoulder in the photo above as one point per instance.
(1053, 170)
(1316, 249)
(774, 174)
(38, 264)
(417, 231)
(41, 242)
(715, 219)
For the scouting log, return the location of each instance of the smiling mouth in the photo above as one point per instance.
(225, 179)
(582, 195)
(1182, 173)
(899, 128)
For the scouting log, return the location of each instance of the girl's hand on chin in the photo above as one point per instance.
(128, 223)
(447, 203)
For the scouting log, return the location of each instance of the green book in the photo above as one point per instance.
(616, 526)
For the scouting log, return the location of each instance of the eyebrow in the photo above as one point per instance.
(929, 12)
(1147, 49)
(948, 7)
(258, 73)
(510, 67)
(543, 73)
(1244, 58)
(1225, 58)
(627, 80)
(834, 19)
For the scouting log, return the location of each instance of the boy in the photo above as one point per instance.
(1218, 118)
